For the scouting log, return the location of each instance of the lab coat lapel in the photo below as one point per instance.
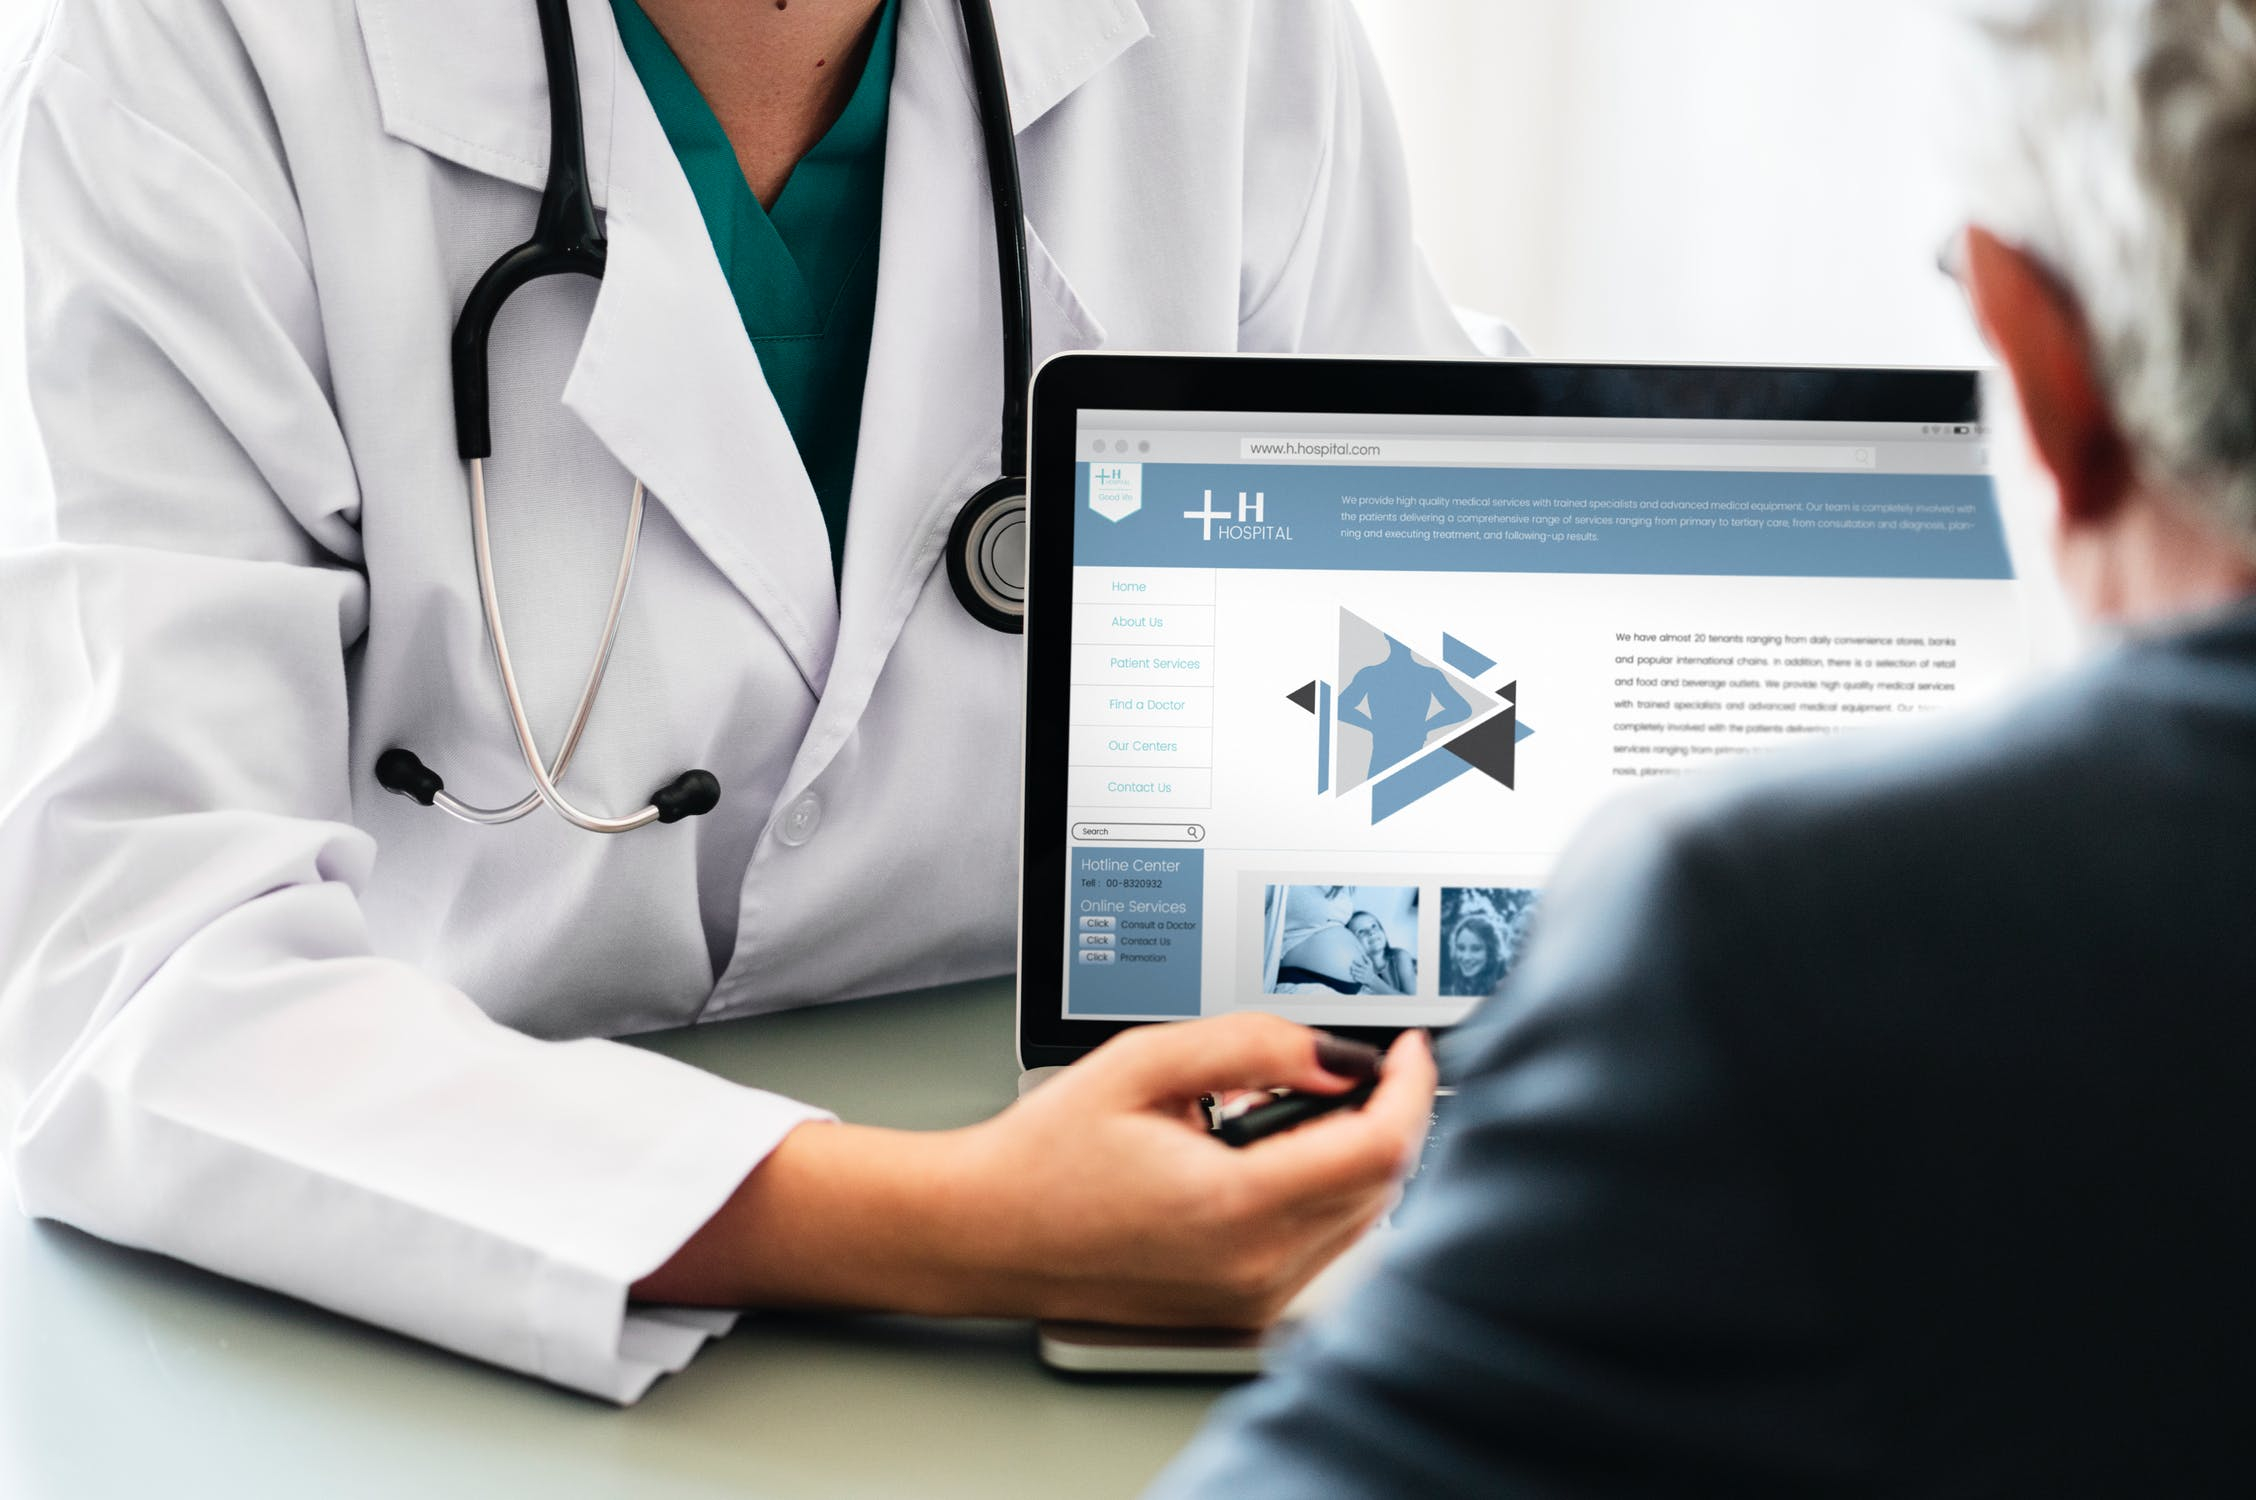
(1050, 48)
(668, 381)
(665, 377)
(464, 82)
(932, 407)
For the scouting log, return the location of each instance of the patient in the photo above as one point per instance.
(1828, 1144)
(1385, 969)
(1326, 945)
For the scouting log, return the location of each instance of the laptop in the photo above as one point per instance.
(1327, 660)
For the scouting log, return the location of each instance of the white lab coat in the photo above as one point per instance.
(259, 1014)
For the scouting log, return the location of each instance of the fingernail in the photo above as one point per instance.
(1345, 1059)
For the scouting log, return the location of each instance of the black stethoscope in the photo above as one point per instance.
(986, 550)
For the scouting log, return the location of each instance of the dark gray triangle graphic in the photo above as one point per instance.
(1491, 747)
(1305, 697)
(1510, 692)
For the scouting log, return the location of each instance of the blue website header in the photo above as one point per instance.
(1435, 520)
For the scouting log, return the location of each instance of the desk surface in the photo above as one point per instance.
(127, 1374)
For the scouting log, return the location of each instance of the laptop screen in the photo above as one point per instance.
(1344, 687)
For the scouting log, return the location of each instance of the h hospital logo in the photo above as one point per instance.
(1249, 512)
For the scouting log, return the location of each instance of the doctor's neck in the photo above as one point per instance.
(776, 73)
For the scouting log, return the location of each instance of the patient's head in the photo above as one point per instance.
(1476, 948)
(2113, 268)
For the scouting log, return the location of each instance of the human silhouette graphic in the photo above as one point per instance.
(1396, 700)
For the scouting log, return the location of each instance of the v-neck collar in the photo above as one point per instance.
(785, 268)
(677, 395)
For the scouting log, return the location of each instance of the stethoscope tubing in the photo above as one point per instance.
(568, 239)
(1007, 195)
(489, 596)
(494, 816)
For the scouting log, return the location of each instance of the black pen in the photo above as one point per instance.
(1289, 1112)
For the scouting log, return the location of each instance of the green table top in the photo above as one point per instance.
(128, 1374)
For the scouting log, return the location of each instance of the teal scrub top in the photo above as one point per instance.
(804, 275)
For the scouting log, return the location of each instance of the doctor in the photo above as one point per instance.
(259, 1014)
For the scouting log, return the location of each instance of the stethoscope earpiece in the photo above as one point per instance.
(692, 794)
(987, 556)
(403, 772)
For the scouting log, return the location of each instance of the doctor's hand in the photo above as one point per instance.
(1099, 1197)
(1118, 1207)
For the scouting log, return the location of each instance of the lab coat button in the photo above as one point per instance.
(800, 820)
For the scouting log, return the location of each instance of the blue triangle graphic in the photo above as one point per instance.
(1463, 657)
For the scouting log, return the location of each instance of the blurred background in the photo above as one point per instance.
(1736, 180)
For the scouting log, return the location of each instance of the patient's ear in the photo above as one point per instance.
(2039, 332)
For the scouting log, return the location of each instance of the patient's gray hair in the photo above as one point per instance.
(2129, 166)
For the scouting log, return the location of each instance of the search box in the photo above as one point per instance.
(1558, 453)
(1139, 833)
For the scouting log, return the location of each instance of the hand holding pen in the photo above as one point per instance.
(1255, 1118)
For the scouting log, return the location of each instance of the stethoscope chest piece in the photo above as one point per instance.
(987, 557)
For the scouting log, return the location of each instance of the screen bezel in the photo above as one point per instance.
(1073, 383)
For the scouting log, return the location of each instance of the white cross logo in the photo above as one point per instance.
(1208, 516)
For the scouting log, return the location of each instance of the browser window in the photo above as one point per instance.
(1345, 687)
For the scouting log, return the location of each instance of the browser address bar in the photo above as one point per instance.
(1543, 453)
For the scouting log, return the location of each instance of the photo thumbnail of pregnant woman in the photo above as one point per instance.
(1341, 939)
(1482, 929)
